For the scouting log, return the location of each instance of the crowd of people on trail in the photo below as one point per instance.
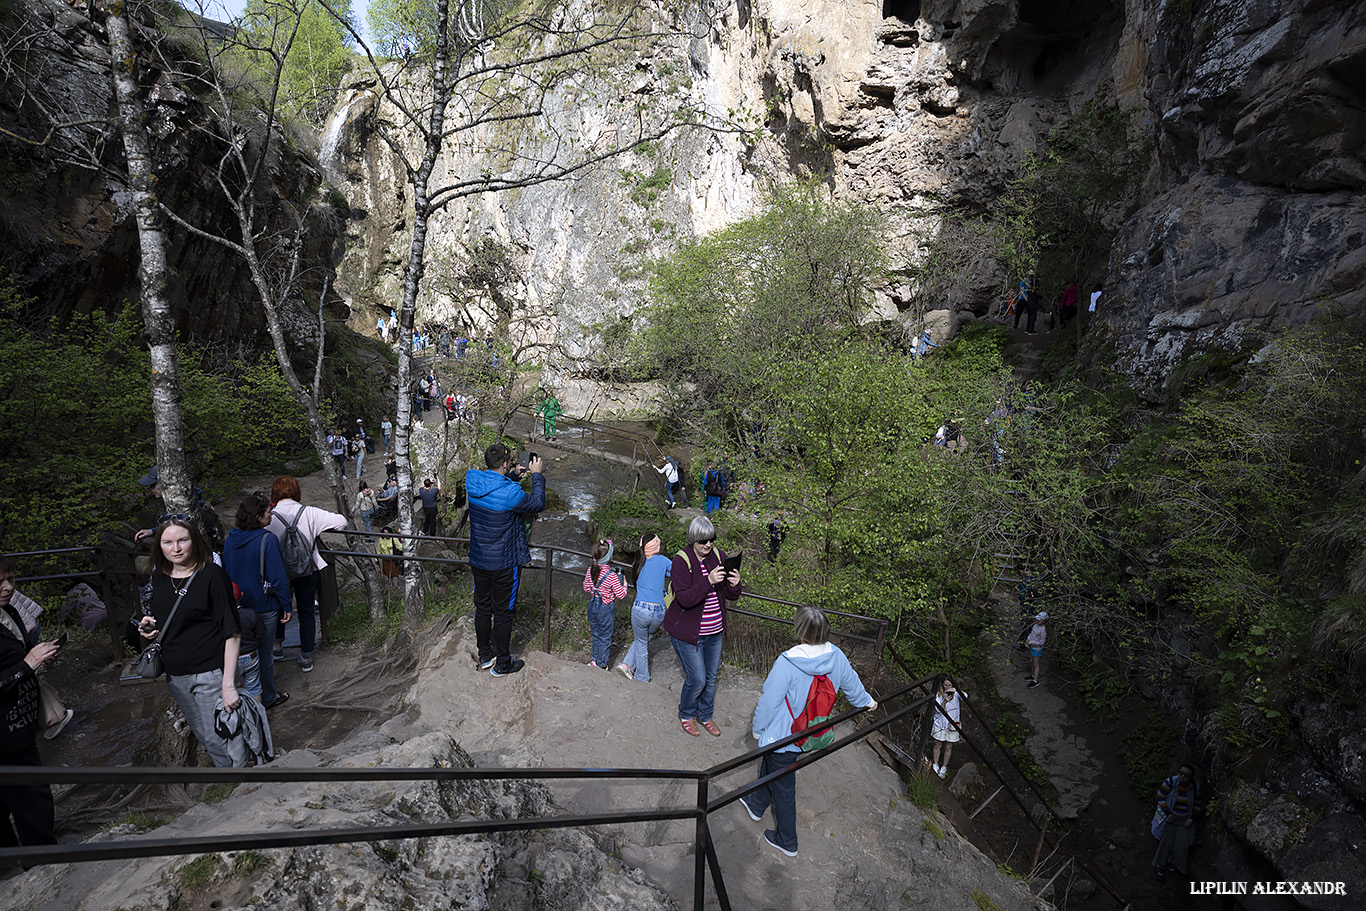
(1025, 301)
(217, 621)
(433, 338)
(686, 596)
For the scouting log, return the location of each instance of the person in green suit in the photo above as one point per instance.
(551, 409)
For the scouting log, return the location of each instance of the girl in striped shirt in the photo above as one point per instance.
(604, 585)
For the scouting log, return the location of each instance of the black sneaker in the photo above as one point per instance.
(1033, 683)
(486, 663)
(512, 667)
(770, 835)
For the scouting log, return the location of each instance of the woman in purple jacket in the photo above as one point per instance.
(696, 622)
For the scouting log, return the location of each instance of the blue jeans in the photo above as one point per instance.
(645, 619)
(782, 793)
(365, 515)
(266, 657)
(713, 504)
(360, 460)
(602, 620)
(671, 492)
(249, 674)
(701, 665)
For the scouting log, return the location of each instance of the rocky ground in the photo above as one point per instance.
(861, 840)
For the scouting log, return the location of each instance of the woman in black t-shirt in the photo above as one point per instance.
(201, 639)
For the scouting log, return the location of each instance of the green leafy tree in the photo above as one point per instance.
(68, 469)
(783, 288)
(316, 48)
(404, 28)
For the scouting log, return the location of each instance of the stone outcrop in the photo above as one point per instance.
(67, 227)
(863, 842)
(1259, 112)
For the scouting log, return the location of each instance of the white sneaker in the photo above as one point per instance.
(936, 769)
(943, 771)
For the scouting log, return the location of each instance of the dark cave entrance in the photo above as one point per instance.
(906, 10)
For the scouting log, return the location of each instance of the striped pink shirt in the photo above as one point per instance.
(711, 615)
(610, 589)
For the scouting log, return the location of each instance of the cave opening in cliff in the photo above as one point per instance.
(906, 10)
(1052, 43)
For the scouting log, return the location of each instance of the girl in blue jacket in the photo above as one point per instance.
(783, 699)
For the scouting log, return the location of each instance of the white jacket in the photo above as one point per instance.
(312, 523)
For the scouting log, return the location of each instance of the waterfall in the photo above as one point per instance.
(332, 136)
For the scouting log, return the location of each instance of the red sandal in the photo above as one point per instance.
(690, 726)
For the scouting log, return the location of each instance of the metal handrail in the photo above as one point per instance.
(549, 562)
(705, 805)
(97, 554)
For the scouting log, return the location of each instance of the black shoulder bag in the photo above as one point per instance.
(149, 665)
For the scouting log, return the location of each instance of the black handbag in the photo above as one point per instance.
(149, 665)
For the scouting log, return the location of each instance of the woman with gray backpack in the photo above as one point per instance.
(297, 527)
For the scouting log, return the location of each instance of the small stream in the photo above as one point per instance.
(582, 482)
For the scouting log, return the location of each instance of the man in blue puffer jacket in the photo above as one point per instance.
(498, 550)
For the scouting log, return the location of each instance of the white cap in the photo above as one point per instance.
(1041, 615)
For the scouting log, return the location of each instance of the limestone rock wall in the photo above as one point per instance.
(1259, 113)
(1251, 219)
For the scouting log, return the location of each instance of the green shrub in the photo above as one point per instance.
(923, 790)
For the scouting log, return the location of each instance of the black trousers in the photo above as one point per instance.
(495, 602)
(429, 520)
(29, 804)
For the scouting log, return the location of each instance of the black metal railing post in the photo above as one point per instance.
(547, 586)
(699, 873)
(115, 641)
(877, 660)
(718, 881)
(329, 598)
(922, 739)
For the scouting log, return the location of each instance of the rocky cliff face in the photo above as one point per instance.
(68, 233)
(1252, 220)
(1259, 111)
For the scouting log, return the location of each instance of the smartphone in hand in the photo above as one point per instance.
(61, 640)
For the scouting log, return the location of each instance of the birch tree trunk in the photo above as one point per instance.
(153, 268)
(412, 281)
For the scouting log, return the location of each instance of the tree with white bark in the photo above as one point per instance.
(495, 72)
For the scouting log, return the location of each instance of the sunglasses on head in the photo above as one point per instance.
(173, 517)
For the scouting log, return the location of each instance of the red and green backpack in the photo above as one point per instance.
(820, 705)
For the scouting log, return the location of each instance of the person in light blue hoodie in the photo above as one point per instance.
(782, 702)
